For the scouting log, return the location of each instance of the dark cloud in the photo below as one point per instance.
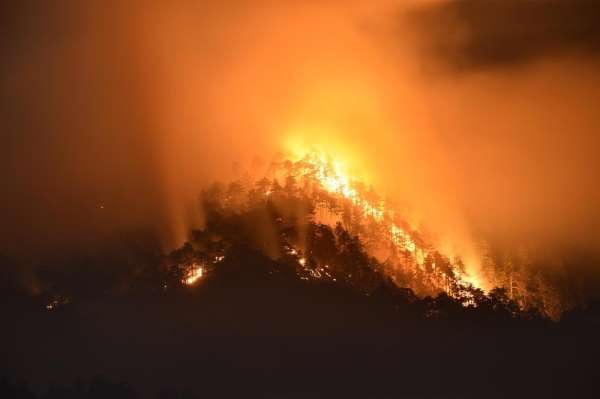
(472, 34)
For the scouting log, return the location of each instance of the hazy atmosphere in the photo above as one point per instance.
(115, 116)
(475, 122)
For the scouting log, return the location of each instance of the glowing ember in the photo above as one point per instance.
(56, 302)
(194, 274)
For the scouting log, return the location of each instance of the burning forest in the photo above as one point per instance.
(299, 199)
(327, 226)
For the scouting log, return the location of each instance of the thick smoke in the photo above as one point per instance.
(474, 34)
(115, 117)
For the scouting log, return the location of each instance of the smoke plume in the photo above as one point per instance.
(478, 118)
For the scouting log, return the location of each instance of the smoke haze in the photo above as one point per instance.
(113, 118)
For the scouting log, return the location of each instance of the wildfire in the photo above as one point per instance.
(331, 176)
(193, 274)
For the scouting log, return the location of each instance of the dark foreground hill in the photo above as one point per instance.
(252, 330)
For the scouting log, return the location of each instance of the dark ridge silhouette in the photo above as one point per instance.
(252, 328)
(299, 311)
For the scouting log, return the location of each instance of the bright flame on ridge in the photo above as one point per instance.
(332, 177)
(193, 274)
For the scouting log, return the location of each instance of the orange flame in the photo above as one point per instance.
(194, 274)
(333, 178)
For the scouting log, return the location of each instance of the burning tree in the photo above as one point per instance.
(327, 226)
